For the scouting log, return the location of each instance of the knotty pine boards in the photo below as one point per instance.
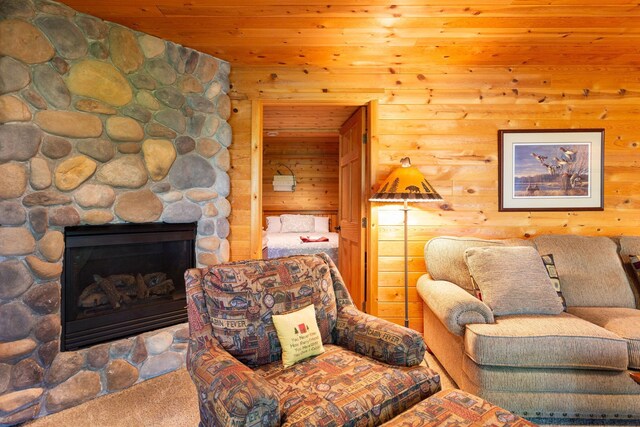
(305, 120)
(449, 129)
(363, 33)
(315, 164)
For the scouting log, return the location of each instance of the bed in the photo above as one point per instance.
(297, 234)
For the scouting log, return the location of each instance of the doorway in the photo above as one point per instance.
(304, 140)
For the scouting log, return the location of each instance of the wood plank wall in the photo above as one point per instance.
(240, 175)
(314, 161)
(446, 119)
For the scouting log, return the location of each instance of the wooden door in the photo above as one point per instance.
(351, 212)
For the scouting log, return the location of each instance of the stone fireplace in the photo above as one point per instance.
(105, 126)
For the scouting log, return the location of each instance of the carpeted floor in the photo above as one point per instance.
(166, 401)
(170, 401)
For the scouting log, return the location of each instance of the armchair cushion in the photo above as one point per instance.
(378, 338)
(452, 305)
(241, 298)
(340, 387)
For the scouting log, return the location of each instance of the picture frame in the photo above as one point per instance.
(551, 170)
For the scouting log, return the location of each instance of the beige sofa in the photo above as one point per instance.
(576, 364)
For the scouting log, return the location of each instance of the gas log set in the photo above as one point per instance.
(123, 289)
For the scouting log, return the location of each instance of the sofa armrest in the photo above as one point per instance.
(229, 392)
(454, 306)
(378, 338)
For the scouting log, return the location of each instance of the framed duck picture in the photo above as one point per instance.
(551, 170)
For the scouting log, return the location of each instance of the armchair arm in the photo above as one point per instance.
(229, 392)
(454, 306)
(378, 338)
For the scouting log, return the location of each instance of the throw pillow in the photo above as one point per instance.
(297, 223)
(634, 261)
(635, 265)
(550, 265)
(273, 224)
(321, 224)
(298, 334)
(513, 280)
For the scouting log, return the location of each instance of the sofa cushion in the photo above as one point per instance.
(590, 270)
(341, 387)
(444, 257)
(624, 322)
(241, 298)
(513, 280)
(504, 378)
(542, 341)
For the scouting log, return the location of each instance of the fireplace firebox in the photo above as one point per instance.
(123, 279)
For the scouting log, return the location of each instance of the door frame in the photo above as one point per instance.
(371, 167)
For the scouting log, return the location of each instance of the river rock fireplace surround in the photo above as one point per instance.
(99, 125)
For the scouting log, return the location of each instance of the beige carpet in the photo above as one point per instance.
(168, 400)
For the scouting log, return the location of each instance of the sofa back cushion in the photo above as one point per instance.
(590, 270)
(444, 257)
(241, 297)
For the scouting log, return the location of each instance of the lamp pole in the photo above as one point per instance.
(406, 264)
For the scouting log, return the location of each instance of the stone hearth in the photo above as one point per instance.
(99, 124)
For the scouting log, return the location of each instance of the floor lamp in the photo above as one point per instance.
(406, 184)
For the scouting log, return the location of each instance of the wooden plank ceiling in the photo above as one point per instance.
(304, 120)
(389, 34)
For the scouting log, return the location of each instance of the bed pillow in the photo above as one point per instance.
(321, 224)
(298, 334)
(273, 224)
(512, 280)
(297, 223)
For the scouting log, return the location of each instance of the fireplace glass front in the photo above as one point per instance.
(124, 279)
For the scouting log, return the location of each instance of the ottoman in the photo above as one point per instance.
(457, 408)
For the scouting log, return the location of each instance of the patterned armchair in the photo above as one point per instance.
(368, 374)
